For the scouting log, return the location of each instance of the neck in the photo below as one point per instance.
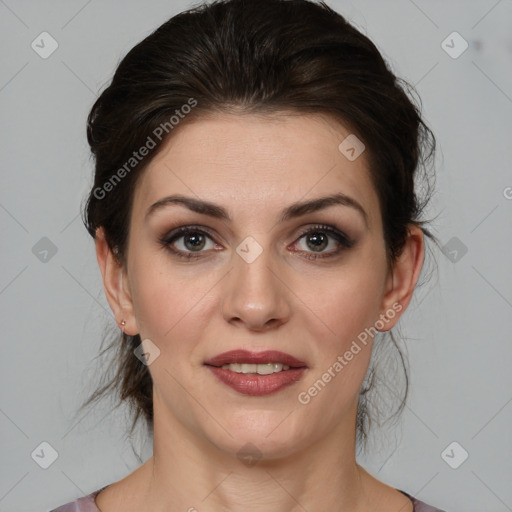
(188, 473)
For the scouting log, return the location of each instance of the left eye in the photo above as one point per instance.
(321, 238)
(317, 241)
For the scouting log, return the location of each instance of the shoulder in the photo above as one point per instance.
(420, 506)
(83, 504)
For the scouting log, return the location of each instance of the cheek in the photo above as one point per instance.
(168, 304)
(350, 311)
(332, 389)
(346, 304)
(349, 307)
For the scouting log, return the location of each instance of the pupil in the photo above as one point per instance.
(194, 241)
(319, 241)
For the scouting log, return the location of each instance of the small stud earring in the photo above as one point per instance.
(123, 322)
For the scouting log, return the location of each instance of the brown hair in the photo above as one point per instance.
(255, 57)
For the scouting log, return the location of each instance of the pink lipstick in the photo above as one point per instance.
(256, 373)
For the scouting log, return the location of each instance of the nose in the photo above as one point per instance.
(256, 296)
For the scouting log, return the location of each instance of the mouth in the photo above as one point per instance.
(256, 373)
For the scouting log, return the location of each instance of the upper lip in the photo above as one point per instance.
(245, 356)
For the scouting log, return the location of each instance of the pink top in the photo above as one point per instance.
(87, 504)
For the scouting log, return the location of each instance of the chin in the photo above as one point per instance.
(261, 435)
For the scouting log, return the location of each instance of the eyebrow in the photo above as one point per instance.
(294, 210)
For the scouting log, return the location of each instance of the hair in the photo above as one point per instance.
(265, 57)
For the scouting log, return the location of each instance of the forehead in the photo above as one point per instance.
(248, 161)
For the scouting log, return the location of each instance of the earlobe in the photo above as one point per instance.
(115, 284)
(403, 278)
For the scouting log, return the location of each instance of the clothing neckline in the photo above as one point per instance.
(95, 494)
(412, 498)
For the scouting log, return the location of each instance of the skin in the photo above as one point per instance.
(254, 167)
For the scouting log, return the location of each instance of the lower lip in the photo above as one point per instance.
(258, 385)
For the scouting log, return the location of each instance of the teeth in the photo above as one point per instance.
(260, 369)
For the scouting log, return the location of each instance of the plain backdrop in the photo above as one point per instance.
(54, 312)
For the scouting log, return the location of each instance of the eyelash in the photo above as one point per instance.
(340, 237)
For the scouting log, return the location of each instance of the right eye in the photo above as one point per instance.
(191, 239)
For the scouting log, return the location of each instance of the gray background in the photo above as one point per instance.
(54, 312)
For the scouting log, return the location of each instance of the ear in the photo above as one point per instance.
(403, 278)
(115, 283)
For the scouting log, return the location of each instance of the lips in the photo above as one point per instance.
(254, 384)
(244, 356)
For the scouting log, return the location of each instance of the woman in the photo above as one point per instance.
(256, 224)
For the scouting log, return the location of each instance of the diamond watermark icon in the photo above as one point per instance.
(44, 45)
(249, 454)
(351, 147)
(454, 45)
(249, 249)
(454, 455)
(147, 352)
(44, 455)
(454, 249)
(44, 250)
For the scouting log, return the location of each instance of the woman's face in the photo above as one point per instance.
(257, 272)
